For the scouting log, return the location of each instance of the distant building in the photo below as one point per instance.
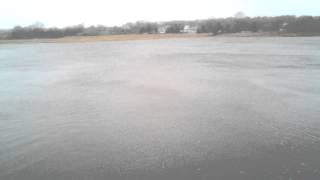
(162, 29)
(189, 29)
(283, 27)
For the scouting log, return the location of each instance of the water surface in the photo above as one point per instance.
(206, 108)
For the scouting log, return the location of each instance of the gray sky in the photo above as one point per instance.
(61, 13)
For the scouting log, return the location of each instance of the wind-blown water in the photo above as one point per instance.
(224, 108)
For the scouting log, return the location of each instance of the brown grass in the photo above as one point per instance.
(126, 37)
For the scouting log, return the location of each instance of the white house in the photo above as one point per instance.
(162, 29)
(189, 29)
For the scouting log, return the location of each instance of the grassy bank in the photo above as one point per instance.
(131, 37)
(126, 37)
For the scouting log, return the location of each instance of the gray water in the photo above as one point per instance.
(206, 108)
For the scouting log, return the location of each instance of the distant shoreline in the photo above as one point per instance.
(265, 34)
(132, 37)
(124, 37)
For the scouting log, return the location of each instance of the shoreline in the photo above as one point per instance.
(134, 37)
(265, 34)
(102, 38)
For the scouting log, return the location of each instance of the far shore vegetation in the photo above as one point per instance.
(240, 25)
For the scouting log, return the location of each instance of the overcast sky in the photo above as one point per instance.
(61, 13)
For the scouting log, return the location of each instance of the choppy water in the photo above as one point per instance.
(224, 108)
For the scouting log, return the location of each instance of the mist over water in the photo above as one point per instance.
(203, 108)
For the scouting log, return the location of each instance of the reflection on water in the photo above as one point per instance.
(224, 108)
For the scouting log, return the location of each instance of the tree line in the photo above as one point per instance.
(303, 25)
